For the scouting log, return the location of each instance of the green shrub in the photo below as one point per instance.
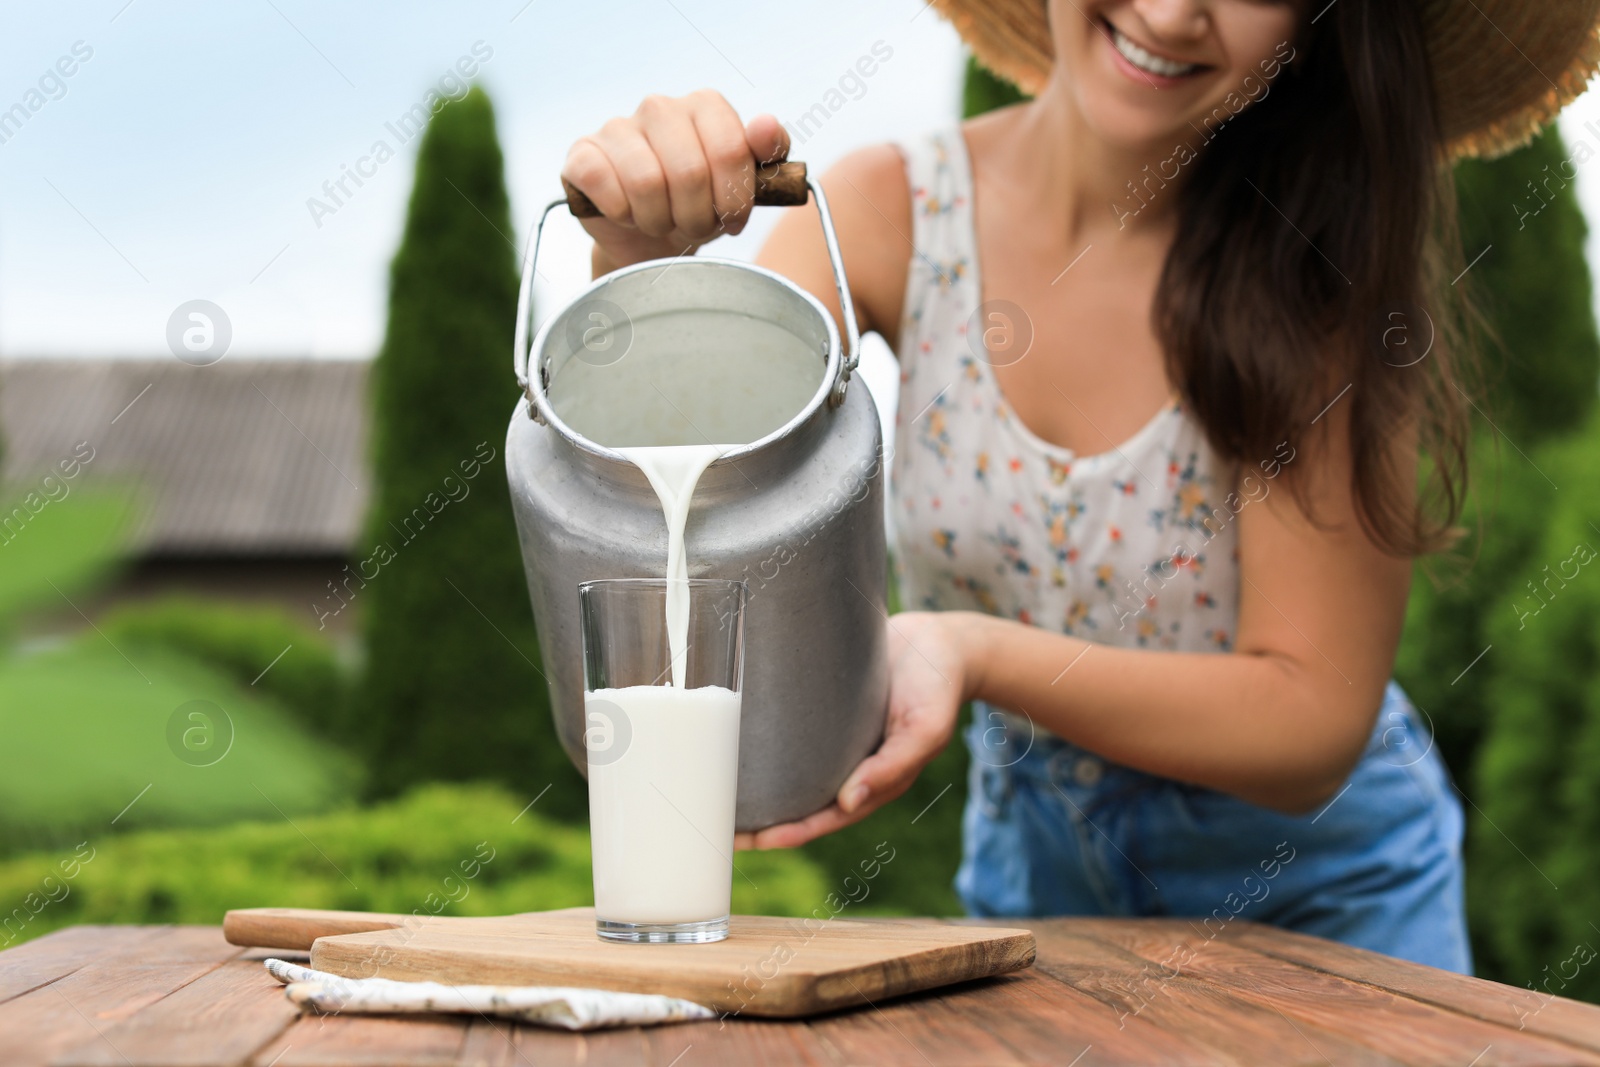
(401, 856)
(1447, 616)
(260, 648)
(1538, 771)
(452, 688)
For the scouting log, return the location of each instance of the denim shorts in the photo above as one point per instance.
(1052, 829)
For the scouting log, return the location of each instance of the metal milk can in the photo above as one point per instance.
(797, 513)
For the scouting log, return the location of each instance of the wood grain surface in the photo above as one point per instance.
(768, 967)
(1103, 991)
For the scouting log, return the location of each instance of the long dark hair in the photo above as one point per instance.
(1310, 243)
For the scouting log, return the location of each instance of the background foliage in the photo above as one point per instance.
(445, 849)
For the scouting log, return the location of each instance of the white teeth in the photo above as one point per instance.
(1148, 61)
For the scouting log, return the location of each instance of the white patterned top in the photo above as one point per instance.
(1135, 547)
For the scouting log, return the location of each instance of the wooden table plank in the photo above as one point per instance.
(1242, 1032)
(1517, 1007)
(492, 1043)
(220, 1018)
(41, 961)
(1044, 1020)
(110, 987)
(496, 1043)
(1397, 1025)
(366, 1041)
(501, 1043)
(908, 1032)
(771, 1042)
(1099, 995)
(592, 1049)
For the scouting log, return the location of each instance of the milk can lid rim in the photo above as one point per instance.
(818, 400)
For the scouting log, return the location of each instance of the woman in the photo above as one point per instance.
(1177, 629)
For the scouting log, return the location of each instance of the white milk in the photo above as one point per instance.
(674, 471)
(661, 814)
(686, 378)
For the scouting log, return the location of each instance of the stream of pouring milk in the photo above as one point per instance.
(674, 471)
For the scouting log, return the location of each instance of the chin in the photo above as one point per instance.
(1133, 128)
(1127, 114)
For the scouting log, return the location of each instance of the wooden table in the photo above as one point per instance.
(1103, 992)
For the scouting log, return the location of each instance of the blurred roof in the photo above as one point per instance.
(244, 457)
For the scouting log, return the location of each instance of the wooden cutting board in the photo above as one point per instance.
(768, 966)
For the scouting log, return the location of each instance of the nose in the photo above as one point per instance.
(1174, 20)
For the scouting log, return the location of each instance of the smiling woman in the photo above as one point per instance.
(1167, 686)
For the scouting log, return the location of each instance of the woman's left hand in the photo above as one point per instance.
(928, 680)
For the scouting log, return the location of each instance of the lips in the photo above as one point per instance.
(1146, 61)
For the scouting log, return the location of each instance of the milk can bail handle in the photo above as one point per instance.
(777, 185)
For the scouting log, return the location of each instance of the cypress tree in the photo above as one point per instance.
(983, 90)
(1542, 357)
(452, 686)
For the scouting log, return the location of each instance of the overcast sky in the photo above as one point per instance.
(176, 160)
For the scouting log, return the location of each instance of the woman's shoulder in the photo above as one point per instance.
(872, 189)
(870, 195)
(875, 173)
(870, 200)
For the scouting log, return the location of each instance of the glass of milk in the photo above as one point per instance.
(663, 661)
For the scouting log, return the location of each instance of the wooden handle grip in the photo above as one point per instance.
(777, 185)
(296, 928)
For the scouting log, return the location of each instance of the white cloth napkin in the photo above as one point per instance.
(555, 1006)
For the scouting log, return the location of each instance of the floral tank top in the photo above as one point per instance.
(1131, 547)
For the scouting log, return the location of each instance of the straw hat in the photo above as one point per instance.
(1501, 68)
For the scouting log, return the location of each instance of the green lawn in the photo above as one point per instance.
(85, 732)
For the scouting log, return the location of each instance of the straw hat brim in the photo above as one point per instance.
(1502, 69)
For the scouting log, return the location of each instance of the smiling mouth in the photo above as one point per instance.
(1143, 59)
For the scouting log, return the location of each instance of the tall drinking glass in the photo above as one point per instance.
(661, 714)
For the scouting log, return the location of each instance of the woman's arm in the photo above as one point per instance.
(1280, 721)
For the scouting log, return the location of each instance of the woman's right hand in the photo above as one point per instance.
(673, 176)
(930, 677)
